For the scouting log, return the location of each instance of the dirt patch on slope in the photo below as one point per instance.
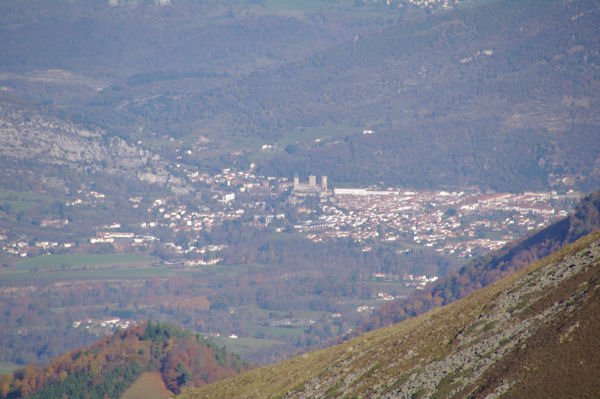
(148, 386)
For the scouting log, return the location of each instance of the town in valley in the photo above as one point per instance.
(461, 223)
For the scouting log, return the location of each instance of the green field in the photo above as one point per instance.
(331, 130)
(16, 201)
(245, 345)
(86, 267)
(6, 368)
(103, 274)
(300, 8)
(103, 260)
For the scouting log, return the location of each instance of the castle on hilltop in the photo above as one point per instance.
(301, 191)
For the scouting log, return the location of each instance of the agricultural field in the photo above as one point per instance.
(92, 261)
(148, 386)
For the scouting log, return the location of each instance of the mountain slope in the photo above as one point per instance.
(542, 318)
(450, 100)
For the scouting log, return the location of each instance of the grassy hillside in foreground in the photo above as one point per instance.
(479, 345)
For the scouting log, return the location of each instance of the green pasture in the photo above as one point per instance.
(330, 130)
(245, 345)
(8, 367)
(282, 332)
(33, 275)
(96, 260)
(16, 201)
(295, 8)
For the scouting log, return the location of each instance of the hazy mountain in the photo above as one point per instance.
(532, 334)
(495, 95)
(498, 94)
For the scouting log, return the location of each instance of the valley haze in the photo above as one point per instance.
(192, 188)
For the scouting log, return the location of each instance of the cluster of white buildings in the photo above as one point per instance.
(429, 4)
(21, 247)
(444, 4)
(460, 223)
(164, 213)
(232, 180)
(111, 324)
(168, 213)
(86, 198)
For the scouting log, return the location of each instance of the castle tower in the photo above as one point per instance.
(323, 183)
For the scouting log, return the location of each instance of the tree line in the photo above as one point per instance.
(110, 366)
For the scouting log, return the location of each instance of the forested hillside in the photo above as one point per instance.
(110, 366)
(499, 95)
(496, 94)
(496, 265)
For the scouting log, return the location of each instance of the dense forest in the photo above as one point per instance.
(494, 266)
(111, 365)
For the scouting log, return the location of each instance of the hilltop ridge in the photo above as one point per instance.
(474, 347)
(176, 359)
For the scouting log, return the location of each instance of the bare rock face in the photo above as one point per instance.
(28, 136)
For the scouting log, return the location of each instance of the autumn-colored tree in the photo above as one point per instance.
(28, 380)
(111, 364)
(5, 383)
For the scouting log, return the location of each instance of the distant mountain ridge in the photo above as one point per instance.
(497, 94)
(532, 334)
(451, 98)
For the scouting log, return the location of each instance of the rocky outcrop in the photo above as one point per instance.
(28, 136)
